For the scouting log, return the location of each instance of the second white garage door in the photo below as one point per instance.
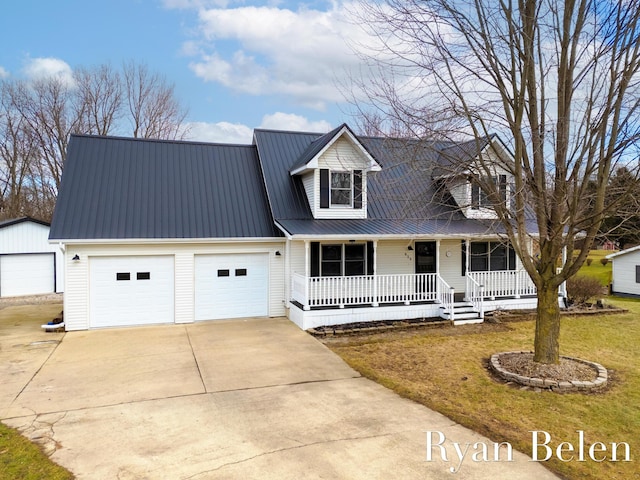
(27, 274)
(231, 286)
(136, 290)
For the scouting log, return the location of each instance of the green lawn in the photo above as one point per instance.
(596, 269)
(445, 369)
(21, 459)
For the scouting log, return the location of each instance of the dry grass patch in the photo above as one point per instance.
(445, 369)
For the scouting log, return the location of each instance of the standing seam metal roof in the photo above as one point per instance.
(132, 188)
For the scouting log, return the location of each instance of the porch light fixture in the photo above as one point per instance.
(410, 248)
(76, 258)
(278, 253)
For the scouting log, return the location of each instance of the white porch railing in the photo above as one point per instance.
(475, 295)
(369, 289)
(503, 283)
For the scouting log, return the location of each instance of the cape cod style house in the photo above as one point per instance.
(323, 228)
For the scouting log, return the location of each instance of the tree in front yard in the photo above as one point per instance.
(557, 79)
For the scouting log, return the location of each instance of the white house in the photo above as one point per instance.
(625, 277)
(29, 264)
(323, 228)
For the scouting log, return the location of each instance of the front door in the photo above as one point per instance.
(425, 253)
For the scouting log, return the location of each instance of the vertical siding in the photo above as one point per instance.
(184, 287)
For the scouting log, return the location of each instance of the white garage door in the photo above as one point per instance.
(131, 290)
(27, 274)
(231, 286)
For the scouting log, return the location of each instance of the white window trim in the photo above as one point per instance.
(341, 205)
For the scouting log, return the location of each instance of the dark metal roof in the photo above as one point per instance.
(315, 147)
(404, 198)
(131, 188)
(14, 221)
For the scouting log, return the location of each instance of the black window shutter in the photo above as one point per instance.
(512, 258)
(503, 188)
(315, 259)
(357, 189)
(370, 260)
(324, 188)
(463, 249)
(637, 273)
(475, 195)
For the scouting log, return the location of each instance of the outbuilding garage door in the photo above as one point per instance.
(231, 286)
(131, 290)
(27, 274)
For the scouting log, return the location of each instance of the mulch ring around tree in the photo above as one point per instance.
(569, 375)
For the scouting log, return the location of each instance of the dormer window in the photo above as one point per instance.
(341, 189)
(480, 198)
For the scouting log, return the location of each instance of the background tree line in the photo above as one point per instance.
(37, 117)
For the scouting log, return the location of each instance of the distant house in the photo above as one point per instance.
(625, 277)
(29, 264)
(322, 228)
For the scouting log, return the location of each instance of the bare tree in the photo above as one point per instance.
(37, 117)
(558, 79)
(154, 111)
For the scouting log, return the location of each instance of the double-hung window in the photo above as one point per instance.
(480, 198)
(341, 188)
(491, 256)
(343, 260)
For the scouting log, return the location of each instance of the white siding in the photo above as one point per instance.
(76, 299)
(309, 181)
(394, 258)
(31, 237)
(624, 273)
(451, 266)
(341, 156)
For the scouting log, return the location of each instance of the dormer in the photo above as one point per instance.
(477, 186)
(334, 171)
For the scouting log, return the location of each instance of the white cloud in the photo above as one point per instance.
(39, 68)
(291, 121)
(236, 133)
(268, 50)
(221, 132)
(3, 73)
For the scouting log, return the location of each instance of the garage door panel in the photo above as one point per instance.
(27, 274)
(231, 286)
(131, 290)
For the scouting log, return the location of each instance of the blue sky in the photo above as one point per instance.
(236, 65)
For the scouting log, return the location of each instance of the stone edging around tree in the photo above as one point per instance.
(546, 383)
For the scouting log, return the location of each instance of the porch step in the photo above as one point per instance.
(461, 311)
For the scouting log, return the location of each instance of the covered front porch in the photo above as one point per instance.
(459, 280)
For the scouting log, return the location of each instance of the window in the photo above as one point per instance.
(637, 273)
(345, 259)
(123, 276)
(143, 275)
(223, 273)
(491, 256)
(241, 272)
(480, 198)
(341, 188)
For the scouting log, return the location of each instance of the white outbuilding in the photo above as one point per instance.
(29, 264)
(625, 278)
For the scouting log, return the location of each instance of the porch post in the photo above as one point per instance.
(437, 299)
(467, 263)
(287, 273)
(375, 274)
(563, 286)
(307, 265)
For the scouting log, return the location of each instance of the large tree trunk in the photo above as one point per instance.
(546, 344)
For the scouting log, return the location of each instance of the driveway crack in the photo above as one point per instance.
(280, 450)
(195, 359)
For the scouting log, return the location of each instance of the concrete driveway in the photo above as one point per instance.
(248, 399)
